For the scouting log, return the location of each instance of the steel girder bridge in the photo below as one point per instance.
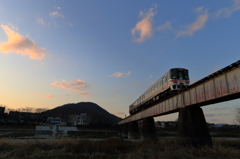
(220, 86)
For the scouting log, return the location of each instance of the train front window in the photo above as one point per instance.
(185, 75)
(181, 74)
(174, 74)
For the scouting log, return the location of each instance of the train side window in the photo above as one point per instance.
(164, 80)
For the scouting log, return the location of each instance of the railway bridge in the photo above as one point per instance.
(220, 86)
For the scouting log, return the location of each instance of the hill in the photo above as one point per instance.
(99, 115)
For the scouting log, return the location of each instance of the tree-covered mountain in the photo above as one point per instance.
(99, 115)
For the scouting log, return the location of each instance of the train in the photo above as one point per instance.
(172, 81)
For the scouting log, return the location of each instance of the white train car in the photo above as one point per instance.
(171, 81)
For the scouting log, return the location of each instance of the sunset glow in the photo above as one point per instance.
(110, 52)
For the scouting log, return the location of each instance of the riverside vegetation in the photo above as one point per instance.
(114, 148)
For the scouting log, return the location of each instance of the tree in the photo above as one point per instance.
(40, 110)
(27, 109)
(237, 114)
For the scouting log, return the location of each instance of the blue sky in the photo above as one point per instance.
(109, 52)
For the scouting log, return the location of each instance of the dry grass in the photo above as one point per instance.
(114, 148)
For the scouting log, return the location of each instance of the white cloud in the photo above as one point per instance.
(56, 14)
(128, 73)
(143, 28)
(40, 21)
(197, 25)
(136, 84)
(165, 26)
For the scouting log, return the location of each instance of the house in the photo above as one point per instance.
(2, 109)
(82, 119)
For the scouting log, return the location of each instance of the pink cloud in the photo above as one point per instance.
(197, 25)
(120, 74)
(227, 12)
(21, 45)
(84, 94)
(143, 28)
(117, 74)
(49, 96)
(56, 14)
(77, 85)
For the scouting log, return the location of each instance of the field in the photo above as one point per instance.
(114, 148)
(104, 143)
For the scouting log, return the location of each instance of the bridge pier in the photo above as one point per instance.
(119, 130)
(148, 129)
(133, 131)
(192, 127)
(125, 131)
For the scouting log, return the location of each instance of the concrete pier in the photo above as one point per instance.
(119, 130)
(125, 131)
(148, 129)
(192, 127)
(133, 130)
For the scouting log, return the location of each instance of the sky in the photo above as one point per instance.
(55, 52)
